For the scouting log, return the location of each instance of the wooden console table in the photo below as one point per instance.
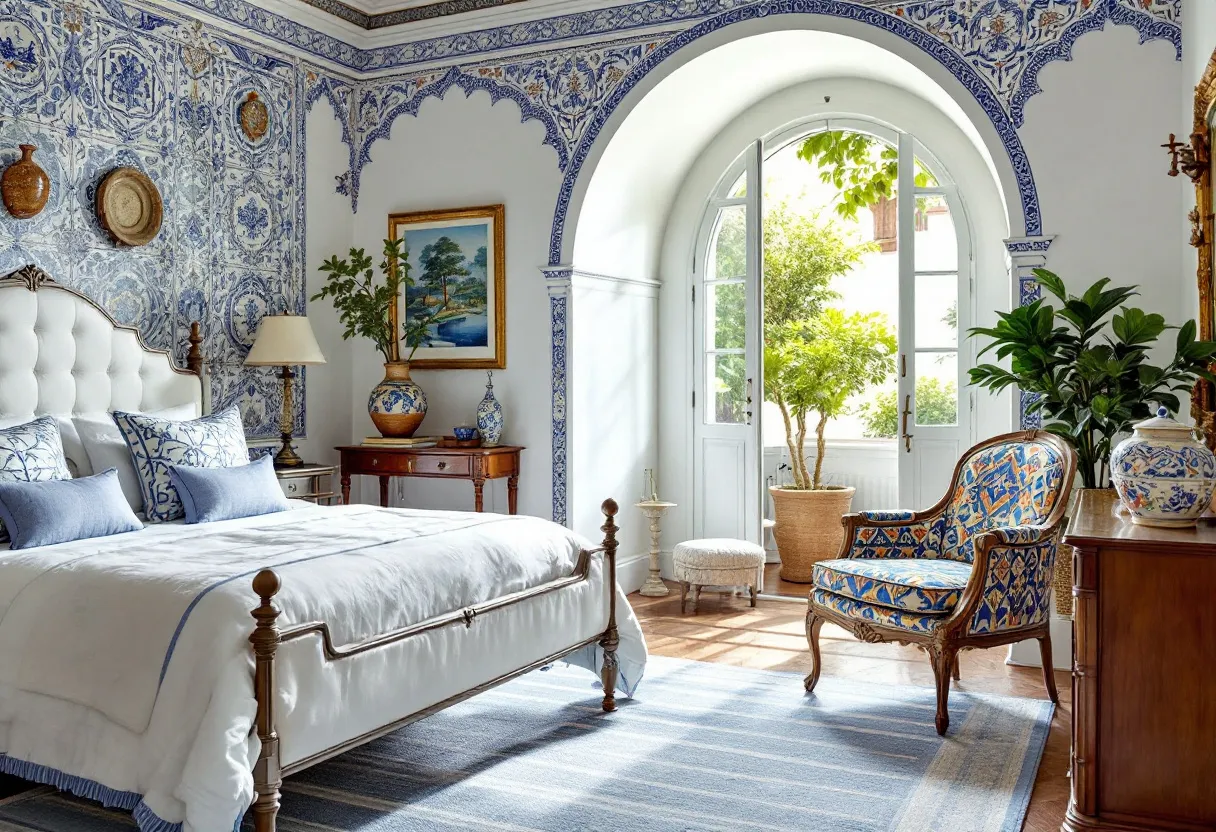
(1144, 673)
(476, 464)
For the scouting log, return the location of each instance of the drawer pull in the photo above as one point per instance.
(293, 487)
(375, 461)
(443, 466)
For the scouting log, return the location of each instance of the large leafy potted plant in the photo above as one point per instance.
(367, 307)
(1089, 368)
(811, 369)
(1092, 382)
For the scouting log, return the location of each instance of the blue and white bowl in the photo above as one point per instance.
(464, 433)
(1164, 475)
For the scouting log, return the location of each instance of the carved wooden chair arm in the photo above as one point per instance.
(1016, 565)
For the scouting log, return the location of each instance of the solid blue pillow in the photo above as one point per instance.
(210, 494)
(60, 511)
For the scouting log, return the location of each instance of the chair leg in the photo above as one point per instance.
(813, 624)
(942, 659)
(957, 675)
(752, 590)
(683, 596)
(1049, 671)
(696, 598)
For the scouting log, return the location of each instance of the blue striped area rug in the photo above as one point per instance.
(701, 747)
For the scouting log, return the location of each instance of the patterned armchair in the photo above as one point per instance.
(973, 571)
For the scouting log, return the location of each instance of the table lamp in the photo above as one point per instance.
(285, 341)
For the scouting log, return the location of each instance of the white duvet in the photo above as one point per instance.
(125, 670)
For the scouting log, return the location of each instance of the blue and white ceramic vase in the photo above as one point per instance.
(489, 416)
(397, 405)
(1164, 475)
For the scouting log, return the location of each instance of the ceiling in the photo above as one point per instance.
(380, 14)
(377, 14)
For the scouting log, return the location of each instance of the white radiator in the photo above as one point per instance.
(870, 467)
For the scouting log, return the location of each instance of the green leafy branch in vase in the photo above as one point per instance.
(1091, 387)
(365, 302)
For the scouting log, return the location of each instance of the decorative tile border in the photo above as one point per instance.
(558, 282)
(1027, 254)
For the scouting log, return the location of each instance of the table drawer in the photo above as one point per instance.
(297, 487)
(456, 465)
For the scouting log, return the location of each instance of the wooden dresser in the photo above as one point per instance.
(1144, 673)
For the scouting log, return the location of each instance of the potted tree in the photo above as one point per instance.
(811, 369)
(367, 306)
(1088, 366)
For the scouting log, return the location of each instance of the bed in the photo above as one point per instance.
(132, 673)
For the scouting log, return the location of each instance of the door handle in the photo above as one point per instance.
(903, 365)
(749, 401)
(904, 430)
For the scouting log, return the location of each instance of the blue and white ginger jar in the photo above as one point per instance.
(397, 405)
(1163, 474)
(489, 416)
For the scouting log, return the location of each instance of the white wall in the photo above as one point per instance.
(328, 229)
(1093, 136)
(458, 152)
(613, 423)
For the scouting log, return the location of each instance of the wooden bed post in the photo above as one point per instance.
(265, 639)
(194, 358)
(611, 638)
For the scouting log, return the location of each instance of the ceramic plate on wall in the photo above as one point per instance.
(129, 206)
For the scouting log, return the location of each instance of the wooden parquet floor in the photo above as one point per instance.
(772, 637)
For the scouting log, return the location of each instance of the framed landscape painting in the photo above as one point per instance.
(457, 263)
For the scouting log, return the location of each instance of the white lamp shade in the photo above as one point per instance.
(284, 341)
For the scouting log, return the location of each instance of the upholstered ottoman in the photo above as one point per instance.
(718, 562)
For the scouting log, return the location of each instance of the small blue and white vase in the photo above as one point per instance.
(1164, 475)
(489, 416)
(397, 405)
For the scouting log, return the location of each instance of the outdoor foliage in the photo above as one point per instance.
(814, 366)
(936, 404)
(363, 303)
(802, 254)
(1091, 386)
(863, 168)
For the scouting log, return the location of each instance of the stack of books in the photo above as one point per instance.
(402, 442)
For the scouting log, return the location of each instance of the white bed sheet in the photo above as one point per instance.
(124, 661)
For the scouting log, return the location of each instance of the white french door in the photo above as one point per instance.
(935, 404)
(727, 303)
(934, 311)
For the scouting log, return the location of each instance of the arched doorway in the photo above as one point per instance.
(624, 215)
(785, 243)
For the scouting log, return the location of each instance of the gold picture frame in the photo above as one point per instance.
(459, 254)
(1203, 228)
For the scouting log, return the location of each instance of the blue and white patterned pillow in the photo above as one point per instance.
(215, 441)
(32, 452)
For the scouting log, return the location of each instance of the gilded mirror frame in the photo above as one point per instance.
(1203, 399)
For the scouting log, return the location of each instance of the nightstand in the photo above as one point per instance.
(308, 481)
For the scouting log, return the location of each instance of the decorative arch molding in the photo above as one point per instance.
(1153, 19)
(995, 48)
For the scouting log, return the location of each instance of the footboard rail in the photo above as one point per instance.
(268, 773)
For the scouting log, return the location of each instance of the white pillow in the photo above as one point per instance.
(106, 448)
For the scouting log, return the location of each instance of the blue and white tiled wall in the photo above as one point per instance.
(98, 84)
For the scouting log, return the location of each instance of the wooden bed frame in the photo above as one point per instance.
(268, 772)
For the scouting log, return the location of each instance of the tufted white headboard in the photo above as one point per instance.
(61, 354)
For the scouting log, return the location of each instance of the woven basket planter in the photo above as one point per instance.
(808, 528)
